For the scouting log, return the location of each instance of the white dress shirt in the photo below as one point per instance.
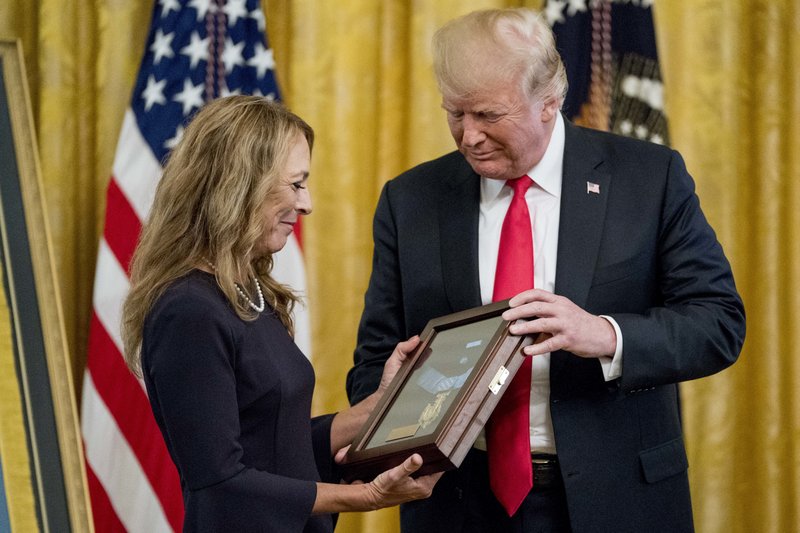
(544, 204)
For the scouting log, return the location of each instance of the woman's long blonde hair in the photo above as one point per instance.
(209, 206)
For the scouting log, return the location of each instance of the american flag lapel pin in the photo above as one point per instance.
(592, 188)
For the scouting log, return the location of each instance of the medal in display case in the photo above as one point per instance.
(442, 396)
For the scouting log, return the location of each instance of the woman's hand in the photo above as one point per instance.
(395, 361)
(392, 487)
(396, 486)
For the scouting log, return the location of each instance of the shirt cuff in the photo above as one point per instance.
(612, 366)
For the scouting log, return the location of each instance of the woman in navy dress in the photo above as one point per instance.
(210, 331)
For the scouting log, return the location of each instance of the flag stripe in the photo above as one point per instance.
(122, 225)
(110, 287)
(136, 170)
(298, 232)
(105, 519)
(290, 268)
(131, 496)
(128, 405)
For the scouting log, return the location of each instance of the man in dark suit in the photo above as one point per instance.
(633, 293)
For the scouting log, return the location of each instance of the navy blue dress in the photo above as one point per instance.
(233, 402)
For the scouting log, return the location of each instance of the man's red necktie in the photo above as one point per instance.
(507, 432)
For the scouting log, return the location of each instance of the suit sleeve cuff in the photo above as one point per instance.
(612, 366)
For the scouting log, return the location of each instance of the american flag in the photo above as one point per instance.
(197, 50)
(609, 50)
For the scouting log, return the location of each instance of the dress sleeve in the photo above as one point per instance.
(329, 471)
(188, 355)
(323, 455)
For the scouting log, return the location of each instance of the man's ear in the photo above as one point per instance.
(549, 109)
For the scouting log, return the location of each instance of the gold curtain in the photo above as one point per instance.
(733, 101)
(359, 72)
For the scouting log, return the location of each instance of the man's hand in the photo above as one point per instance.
(347, 422)
(559, 324)
(395, 361)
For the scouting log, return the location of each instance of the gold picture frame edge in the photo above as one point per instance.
(14, 455)
(50, 309)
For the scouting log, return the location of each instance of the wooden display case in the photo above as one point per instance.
(442, 396)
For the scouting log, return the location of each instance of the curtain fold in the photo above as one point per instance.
(360, 72)
(733, 98)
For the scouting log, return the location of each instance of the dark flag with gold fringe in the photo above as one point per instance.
(609, 50)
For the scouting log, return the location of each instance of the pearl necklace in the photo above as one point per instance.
(261, 304)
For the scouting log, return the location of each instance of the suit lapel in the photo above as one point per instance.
(584, 193)
(581, 224)
(458, 226)
(582, 216)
